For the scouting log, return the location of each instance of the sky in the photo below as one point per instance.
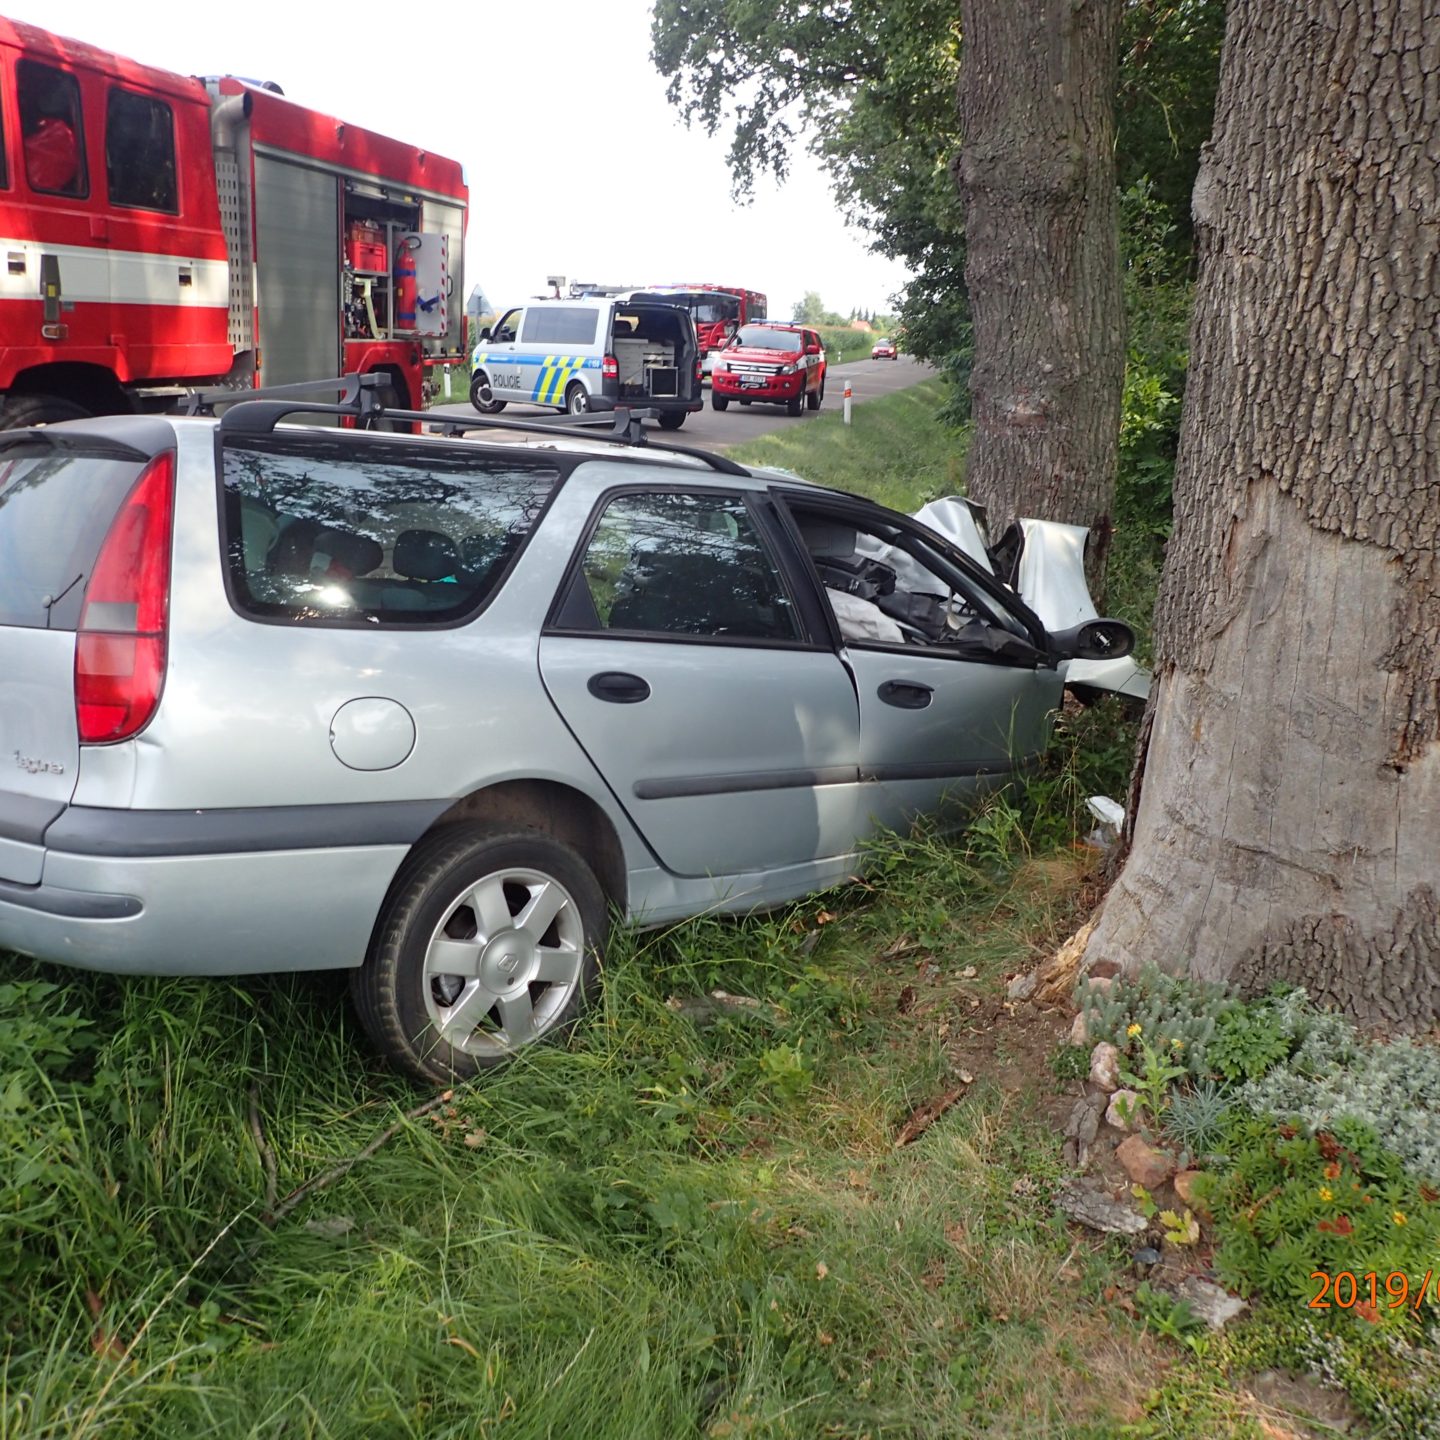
(556, 112)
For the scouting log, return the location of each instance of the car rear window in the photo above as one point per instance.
(346, 531)
(56, 503)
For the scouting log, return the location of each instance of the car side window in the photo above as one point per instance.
(507, 328)
(661, 563)
(886, 587)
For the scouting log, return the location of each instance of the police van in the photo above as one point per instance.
(590, 354)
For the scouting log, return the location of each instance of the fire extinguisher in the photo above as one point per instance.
(405, 286)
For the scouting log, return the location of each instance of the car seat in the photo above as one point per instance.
(693, 593)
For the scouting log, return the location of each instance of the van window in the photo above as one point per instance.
(56, 504)
(560, 325)
(51, 134)
(350, 532)
(140, 152)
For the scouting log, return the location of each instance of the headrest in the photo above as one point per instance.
(827, 538)
(425, 555)
(358, 554)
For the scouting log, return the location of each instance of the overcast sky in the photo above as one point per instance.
(557, 115)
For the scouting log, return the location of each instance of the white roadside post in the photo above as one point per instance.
(847, 402)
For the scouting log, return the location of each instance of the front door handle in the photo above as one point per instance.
(618, 687)
(905, 694)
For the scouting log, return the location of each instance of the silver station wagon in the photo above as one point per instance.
(280, 696)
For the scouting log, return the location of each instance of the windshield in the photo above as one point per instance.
(761, 337)
(705, 306)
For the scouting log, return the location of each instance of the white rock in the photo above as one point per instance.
(1123, 1112)
(1078, 1033)
(1105, 1066)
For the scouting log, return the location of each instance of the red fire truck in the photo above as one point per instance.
(160, 232)
(718, 311)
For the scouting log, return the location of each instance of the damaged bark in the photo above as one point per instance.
(1288, 827)
(1037, 177)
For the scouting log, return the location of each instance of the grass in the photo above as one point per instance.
(895, 451)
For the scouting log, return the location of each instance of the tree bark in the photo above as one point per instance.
(1037, 177)
(1288, 826)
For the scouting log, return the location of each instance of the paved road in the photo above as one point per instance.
(868, 379)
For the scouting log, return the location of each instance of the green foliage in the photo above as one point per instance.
(1394, 1088)
(1196, 1116)
(1167, 1315)
(1070, 1063)
(1291, 1203)
(1154, 1072)
(1163, 1007)
(1248, 1041)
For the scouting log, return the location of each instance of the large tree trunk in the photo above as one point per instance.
(1037, 176)
(1288, 826)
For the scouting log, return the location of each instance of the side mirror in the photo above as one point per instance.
(485, 333)
(1094, 640)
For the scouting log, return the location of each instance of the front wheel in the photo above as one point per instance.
(793, 404)
(672, 419)
(577, 399)
(814, 397)
(489, 941)
(482, 397)
(720, 402)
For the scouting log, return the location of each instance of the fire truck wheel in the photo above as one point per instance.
(720, 402)
(482, 397)
(23, 410)
(793, 404)
(577, 399)
(673, 420)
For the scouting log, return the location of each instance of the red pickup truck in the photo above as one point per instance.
(775, 364)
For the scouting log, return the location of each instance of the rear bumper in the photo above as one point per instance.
(215, 892)
(646, 402)
(238, 914)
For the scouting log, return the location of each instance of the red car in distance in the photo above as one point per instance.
(884, 349)
(774, 364)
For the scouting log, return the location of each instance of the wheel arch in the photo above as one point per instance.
(94, 387)
(559, 810)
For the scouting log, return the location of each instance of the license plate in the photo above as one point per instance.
(753, 382)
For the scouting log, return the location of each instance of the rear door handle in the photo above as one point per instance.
(905, 694)
(618, 687)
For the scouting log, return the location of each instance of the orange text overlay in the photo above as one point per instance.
(1371, 1290)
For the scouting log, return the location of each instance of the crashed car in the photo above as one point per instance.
(282, 696)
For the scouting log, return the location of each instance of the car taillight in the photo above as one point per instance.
(610, 368)
(699, 369)
(120, 641)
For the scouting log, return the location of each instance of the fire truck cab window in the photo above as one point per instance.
(51, 134)
(140, 152)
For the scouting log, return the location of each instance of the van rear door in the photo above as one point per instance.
(59, 492)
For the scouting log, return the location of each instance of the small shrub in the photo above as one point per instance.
(1170, 1006)
(1195, 1118)
(1290, 1204)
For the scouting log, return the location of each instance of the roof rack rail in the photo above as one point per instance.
(257, 412)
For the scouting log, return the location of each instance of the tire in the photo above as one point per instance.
(672, 419)
(21, 411)
(720, 402)
(538, 983)
(794, 404)
(577, 399)
(482, 397)
(814, 397)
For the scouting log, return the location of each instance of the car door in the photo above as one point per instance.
(677, 654)
(954, 693)
(500, 358)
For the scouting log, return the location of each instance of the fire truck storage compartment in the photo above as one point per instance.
(647, 342)
(297, 231)
(385, 236)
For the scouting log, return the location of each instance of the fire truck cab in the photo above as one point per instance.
(160, 232)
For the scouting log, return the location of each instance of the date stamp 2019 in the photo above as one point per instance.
(1371, 1290)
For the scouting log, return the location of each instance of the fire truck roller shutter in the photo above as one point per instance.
(297, 220)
